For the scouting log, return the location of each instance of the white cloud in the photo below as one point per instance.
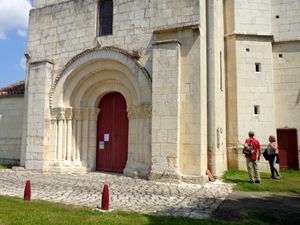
(22, 33)
(23, 63)
(13, 14)
(2, 35)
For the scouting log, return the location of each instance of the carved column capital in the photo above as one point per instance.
(77, 113)
(131, 112)
(139, 112)
(68, 113)
(58, 113)
(85, 113)
(94, 112)
(147, 110)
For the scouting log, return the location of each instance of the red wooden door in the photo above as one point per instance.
(112, 135)
(288, 148)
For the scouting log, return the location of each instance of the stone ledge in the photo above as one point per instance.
(251, 35)
(65, 169)
(176, 27)
(169, 41)
(286, 41)
(37, 62)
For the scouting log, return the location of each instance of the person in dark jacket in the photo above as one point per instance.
(273, 157)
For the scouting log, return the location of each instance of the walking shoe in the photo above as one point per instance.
(257, 181)
(251, 181)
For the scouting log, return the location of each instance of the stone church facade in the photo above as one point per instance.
(155, 89)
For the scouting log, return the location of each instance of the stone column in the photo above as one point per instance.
(85, 131)
(92, 138)
(77, 136)
(132, 138)
(144, 121)
(166, 110)
(74, 133)
(55, 114)
(68, 115)
(139, 151)
(60, 134)
(38, 114)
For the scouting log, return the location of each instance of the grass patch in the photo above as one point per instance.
(262, 216)
(15, 211)
(289, 183)
(6, 166)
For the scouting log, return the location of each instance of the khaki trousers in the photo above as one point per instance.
(252, 167)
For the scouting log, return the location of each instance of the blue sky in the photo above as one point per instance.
(13, 39)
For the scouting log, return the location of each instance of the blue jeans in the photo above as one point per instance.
(272, 162)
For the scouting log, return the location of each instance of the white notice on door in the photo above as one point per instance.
(101, 144)
(106, 137)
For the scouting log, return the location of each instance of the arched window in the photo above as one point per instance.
(105, 17)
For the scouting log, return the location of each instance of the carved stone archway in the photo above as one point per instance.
(74, 99)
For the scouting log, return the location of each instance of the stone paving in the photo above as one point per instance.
(189, 200)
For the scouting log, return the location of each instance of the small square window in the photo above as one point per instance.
(257, 67)
(248, 49)
(256, 110)
(277, 16)
(280, 55)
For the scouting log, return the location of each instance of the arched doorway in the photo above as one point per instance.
(112, 134)
(74, 100)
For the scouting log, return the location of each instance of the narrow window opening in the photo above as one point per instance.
(105, 17)
(280, 56)
(256, 110)
(277, 16)
(248, 49)
(257, 67)
(221, 72)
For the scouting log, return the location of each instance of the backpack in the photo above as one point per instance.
(248, 150)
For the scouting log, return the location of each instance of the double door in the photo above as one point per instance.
(112, 134)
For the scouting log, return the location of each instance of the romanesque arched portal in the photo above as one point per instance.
(74, 101)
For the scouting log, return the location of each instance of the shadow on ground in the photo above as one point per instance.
(264, 206)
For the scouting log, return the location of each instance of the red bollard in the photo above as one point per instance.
(27, 191)
(105, 198)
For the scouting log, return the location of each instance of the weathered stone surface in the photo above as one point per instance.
(156, 58)
(189, 200)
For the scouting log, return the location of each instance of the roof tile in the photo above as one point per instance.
(15, 89)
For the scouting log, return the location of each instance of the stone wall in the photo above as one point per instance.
(285, 19)
(248, 46)
(286, 58)
(250, 97)
(11, 116)
(252, 17)
(286, 64)
(270, 36)
(255, 88)
(40, 3)
(58, 32)
(36, 126)
(219, 91)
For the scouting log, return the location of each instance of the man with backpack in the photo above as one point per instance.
(252, 154)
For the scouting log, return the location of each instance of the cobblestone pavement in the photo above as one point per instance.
(189, 200)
